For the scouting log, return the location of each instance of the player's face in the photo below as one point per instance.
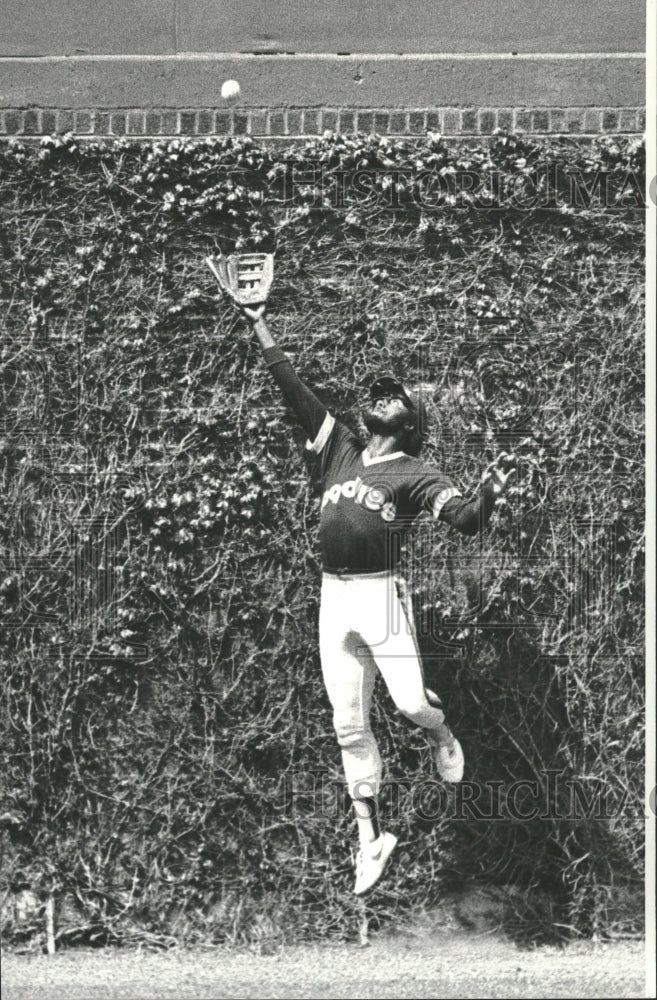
(387, 415)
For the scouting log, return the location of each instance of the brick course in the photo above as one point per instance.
(298, 122)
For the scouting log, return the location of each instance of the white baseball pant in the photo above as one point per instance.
(364, 626)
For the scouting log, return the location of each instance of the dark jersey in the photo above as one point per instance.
(369, 504)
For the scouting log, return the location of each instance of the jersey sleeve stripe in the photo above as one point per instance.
(323, 435)
(442, 498)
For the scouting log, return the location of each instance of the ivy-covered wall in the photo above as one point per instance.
(162, 705)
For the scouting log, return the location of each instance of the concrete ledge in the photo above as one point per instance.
(559, 81)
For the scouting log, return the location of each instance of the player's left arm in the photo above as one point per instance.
(472, 516)
(311, 413)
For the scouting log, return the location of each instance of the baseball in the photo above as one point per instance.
(230, 90)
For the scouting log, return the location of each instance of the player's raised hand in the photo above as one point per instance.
(500, 472)
(254, 313)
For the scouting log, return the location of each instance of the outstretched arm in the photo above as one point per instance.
(471, 517)
(308, 409)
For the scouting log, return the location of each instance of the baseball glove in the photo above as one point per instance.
(245, 277)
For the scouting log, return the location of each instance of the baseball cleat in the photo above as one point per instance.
(371, 860)
(448, 756)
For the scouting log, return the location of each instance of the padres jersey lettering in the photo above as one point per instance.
(369, 505)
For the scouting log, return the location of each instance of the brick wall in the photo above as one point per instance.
(299, 122)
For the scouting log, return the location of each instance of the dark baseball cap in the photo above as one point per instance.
(388, 385)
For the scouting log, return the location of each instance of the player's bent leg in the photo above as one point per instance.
(398, 658)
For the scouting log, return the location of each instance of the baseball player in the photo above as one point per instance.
(371, 494)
